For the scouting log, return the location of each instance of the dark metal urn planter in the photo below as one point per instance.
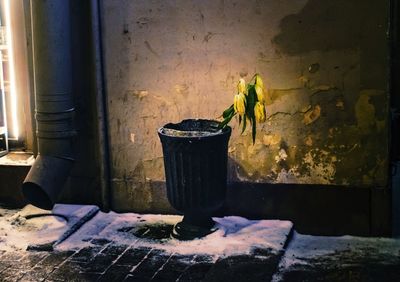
(195, 160)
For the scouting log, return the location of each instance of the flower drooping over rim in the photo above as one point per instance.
(249, 104)
(242, 86)
(260, 93)
(258, 81)
(239, 104)
(259, 112)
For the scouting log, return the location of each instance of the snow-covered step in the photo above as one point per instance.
(235, 235)
(344, 258)
(34, 228)
(237, 246)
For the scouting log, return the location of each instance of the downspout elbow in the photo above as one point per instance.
(44, 181)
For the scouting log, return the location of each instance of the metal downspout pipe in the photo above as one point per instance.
(54, 102)
(101, 104)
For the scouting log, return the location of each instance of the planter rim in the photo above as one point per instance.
(225, 131)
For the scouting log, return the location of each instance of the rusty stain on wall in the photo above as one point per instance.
(326, 102)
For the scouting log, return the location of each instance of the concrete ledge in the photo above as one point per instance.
(13, 168)
(17, 159)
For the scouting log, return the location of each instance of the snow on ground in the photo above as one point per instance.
(235, 235)
(303, 247)
(18, 229)
(304, 251)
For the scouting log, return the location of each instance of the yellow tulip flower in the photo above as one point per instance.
(259, 112)
(260, 93)
(241, 86)
(259, 81)
(239, 104)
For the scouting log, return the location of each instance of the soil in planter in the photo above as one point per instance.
(191, 128)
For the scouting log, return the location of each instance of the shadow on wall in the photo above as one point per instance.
(322, 26)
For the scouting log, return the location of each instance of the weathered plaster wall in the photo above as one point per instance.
(324, 63)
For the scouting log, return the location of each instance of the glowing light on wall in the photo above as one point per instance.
(13, 131)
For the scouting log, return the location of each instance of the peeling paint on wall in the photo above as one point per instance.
(312, 115)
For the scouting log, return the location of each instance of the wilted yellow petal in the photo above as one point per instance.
(239, 104)
(235, 103)
(259, 81)
(241, 86)
(259, 112)
(260, 93)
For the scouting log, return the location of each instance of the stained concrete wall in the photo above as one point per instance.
(324, 63)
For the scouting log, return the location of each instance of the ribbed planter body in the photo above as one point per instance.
(196, 169)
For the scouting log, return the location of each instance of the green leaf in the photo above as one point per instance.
(254, 129)
(240, 119)
(244, 124)
(251, 102)
(228, 112)
(226, 120)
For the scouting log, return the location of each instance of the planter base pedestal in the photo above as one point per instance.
(192, 227)
(184, 231)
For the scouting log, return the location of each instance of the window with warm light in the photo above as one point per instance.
(15, 107)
